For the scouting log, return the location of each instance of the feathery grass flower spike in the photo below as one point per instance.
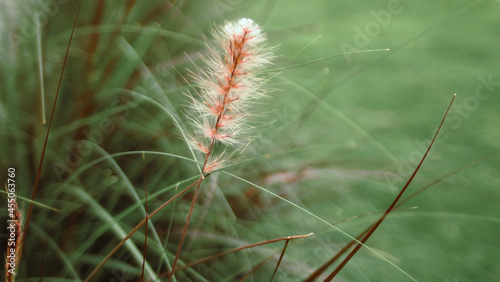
(227, 90)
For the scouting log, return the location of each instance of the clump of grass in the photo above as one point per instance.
(221, 107)
(132, 49)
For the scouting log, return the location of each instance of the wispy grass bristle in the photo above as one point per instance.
(227, 90)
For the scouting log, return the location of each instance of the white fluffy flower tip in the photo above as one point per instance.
(241, 26)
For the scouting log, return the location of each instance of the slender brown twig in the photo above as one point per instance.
(393, 204)
(320, 270)
(184, 230)
(327, 264)
(191, 264)
(44, 149)
(280, 259)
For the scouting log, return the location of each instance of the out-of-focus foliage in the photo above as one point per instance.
(338, 137)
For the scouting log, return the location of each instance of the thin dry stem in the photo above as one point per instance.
(393, 204)
(280, 259)
(42, 157)
(191, 264)
(184, 230)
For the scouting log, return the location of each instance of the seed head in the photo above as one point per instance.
(226, 90)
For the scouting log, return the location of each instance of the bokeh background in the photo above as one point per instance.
(342, 130)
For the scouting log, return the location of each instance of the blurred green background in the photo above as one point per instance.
(338, 136)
